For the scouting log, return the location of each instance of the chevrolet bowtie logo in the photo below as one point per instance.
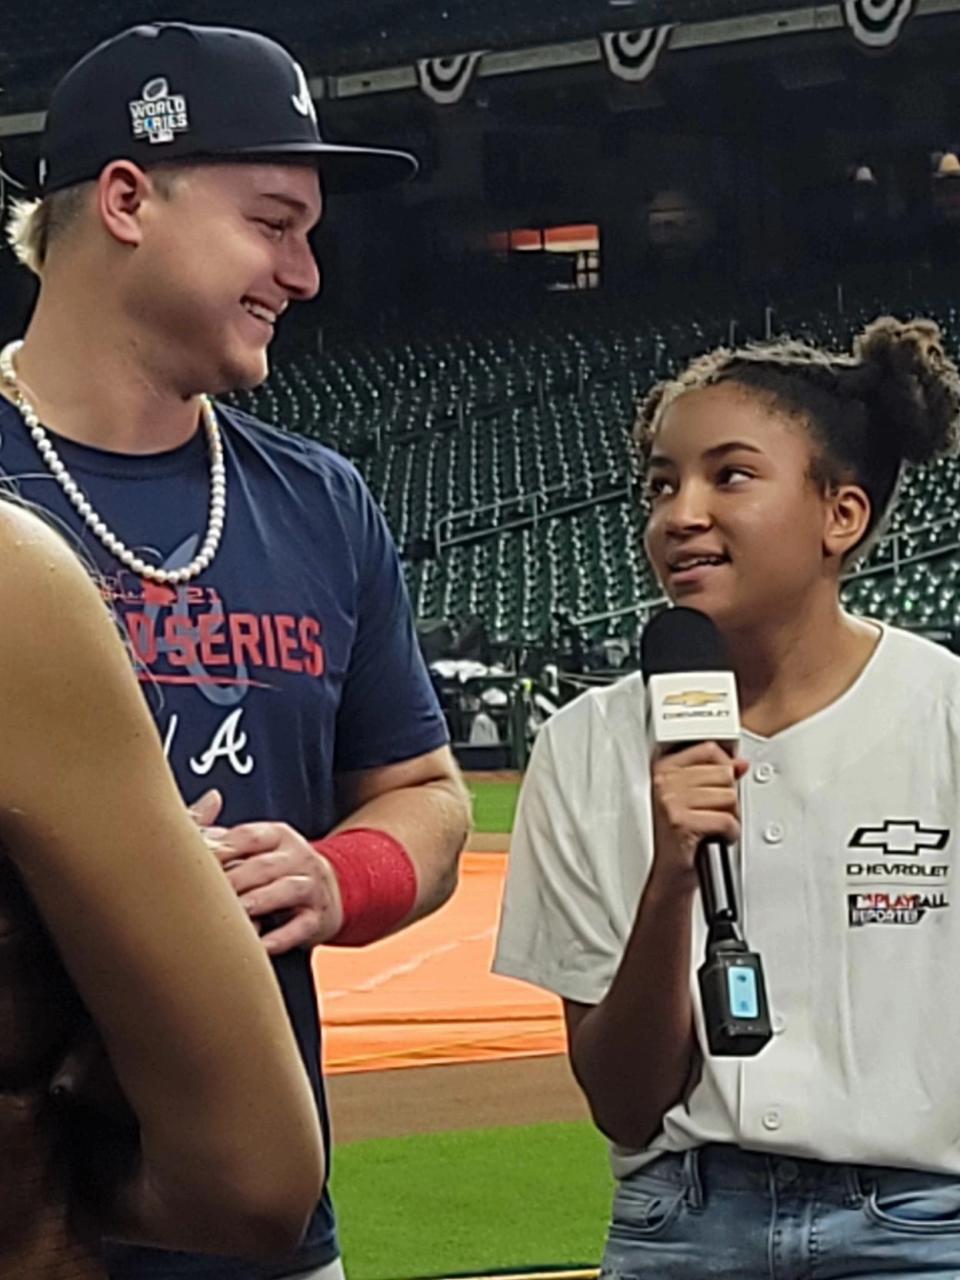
(899, 836)
(693, 698)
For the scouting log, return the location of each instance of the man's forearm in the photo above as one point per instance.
(431, 820)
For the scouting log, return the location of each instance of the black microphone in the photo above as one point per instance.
(692, 696)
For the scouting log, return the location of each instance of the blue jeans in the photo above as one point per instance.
(722, 1212)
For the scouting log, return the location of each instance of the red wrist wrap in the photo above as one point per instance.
(377, 879)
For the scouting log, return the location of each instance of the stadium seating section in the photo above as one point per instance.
(338, 36)
(501, 459)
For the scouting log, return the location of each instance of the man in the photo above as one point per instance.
(253, 576)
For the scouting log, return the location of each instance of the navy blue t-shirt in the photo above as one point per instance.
(291, 658)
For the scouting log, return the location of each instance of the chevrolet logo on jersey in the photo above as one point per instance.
(694, 698)
(900, 836)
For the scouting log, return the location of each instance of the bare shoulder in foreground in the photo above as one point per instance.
(152, 936)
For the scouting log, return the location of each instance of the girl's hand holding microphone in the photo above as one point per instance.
(694, 796)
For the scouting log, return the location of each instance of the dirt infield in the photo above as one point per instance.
(391, 1104)
(487, 842)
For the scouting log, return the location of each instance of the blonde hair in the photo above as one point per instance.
(34, 225)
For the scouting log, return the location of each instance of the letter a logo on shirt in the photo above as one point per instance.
(229, 742)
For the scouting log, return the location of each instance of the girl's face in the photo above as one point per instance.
(738, 528)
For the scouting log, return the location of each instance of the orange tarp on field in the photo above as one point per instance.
(426, 996)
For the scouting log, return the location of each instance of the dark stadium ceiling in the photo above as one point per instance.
(41, 38)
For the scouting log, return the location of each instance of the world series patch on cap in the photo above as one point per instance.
(175, 91)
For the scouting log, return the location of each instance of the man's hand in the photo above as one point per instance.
(276, 872)
(206, 810)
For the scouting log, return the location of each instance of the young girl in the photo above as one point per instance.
(836, 1151)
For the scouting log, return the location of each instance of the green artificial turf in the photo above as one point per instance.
(494, 804)
(472, 1202)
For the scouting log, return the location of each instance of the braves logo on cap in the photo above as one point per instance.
(302, 100)
(158, 115)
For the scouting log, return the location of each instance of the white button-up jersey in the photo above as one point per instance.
(847, 881)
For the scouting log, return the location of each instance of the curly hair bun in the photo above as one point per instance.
(911, 387)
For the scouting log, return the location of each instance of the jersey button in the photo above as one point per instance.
(773, 833)
(764, 772)
(772, 1119)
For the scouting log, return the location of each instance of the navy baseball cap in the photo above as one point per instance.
(175, 91)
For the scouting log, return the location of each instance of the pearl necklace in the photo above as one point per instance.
(218, 485)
